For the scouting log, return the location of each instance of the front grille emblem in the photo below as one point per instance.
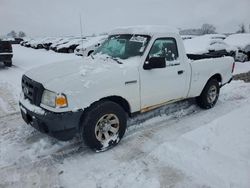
(26, 90)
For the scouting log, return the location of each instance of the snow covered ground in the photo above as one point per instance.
(181, 146)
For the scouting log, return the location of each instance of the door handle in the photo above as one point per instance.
(180, 71)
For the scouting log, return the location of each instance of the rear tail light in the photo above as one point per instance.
(233, 67)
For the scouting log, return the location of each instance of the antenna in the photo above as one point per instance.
(81, 31)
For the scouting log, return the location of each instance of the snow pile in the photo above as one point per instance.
(240, 40)
(202, 44)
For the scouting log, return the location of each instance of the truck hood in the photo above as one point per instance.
(59, 73)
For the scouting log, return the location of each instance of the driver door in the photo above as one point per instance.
(161, 85)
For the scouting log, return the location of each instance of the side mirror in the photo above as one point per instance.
(155, 63)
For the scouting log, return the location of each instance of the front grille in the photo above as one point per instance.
(32, 90)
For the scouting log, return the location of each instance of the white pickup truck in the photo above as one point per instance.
(136, 69)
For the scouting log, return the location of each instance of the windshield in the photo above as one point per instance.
(124, 46)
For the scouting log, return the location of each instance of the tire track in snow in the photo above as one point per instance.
(8, 104)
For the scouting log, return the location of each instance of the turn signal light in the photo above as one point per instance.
(61, 101)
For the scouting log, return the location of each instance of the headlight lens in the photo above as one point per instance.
(53, 99)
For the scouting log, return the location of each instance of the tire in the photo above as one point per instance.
(209, 95)
(8, 64)
(97, 131)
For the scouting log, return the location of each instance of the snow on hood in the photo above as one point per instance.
(82, 69)
(241, 40)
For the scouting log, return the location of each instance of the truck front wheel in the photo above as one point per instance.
(209, 95)
(103, 126)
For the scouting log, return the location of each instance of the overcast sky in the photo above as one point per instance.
(61, 17)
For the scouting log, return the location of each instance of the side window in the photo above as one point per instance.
(164, 47)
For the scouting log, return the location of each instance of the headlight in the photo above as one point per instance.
(53, 99)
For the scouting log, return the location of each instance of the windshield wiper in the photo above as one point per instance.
(92, 56)
(116, 60)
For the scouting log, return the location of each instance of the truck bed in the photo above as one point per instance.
(213, 54)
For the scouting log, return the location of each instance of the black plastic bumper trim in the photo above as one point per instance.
(62, 126)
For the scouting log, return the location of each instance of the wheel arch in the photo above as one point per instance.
(120, 101)
(116, 99)
(217, 77)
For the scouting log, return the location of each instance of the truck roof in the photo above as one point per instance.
(145, 30)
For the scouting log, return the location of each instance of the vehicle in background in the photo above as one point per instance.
(32, 43)
(242, 42)
(17, 41)
(28, 43)
(25, 40)
(6, 53)
(70, 46)
(135, 70)
(90, 45)
(212, 45)
(60, 42)
(38, 43)
(46, 44)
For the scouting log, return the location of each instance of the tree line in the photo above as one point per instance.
(210, 29)
(205, 29)
(14, 34)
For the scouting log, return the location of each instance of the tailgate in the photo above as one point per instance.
(5, 47)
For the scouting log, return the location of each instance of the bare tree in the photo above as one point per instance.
(208, 29)
(242, 28)
(21, 34)
(12, 34)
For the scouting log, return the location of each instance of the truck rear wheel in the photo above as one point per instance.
(8, 63)
(209, 95)
(103, 125)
